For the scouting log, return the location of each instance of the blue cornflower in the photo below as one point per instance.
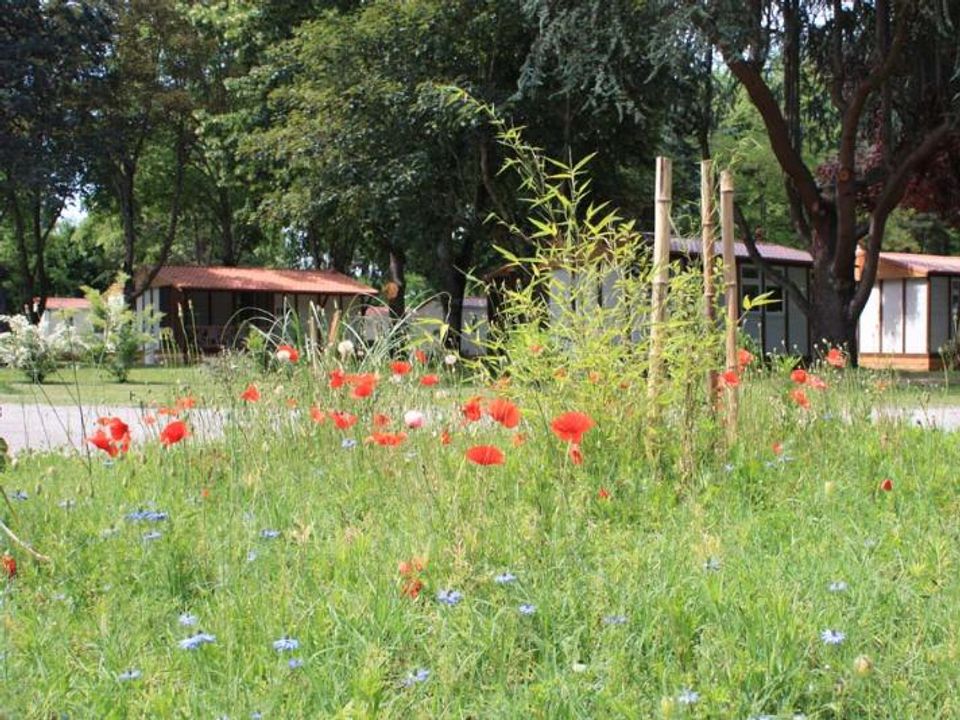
(417, 676)
(449, 597)
(251, 556)
(348, 443)
(833, 637)
(294, 663)
(527, 609)
(148, 515)
(19, 495)
(837, 587)
(256, 715)
(505, 578)
(267, 534)
(152, 535)
(688, 696)
(131, 674)
(188, 620)
(286, 643)
(195, 641)
(712, 565)
(614, 619)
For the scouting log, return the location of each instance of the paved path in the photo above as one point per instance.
(49, 427)
(944, 418)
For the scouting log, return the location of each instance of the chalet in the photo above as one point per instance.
(61, 312)
(207, 307)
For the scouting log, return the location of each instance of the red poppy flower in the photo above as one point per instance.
(472, 410)
(429, 380)
(380, 420)
(536, 349)
(593, 376)
(343, 420)
(411, 588)
(730, 378)
(186, 403)
(287, 353)
(887, 485)
(799, 376)
(744, 358)
(363, 385)
(9, 565)
(777, 448)
(571, 426)
(174, 432)
(337, 378)
(485, 455)
(172, 412)
(150, 419)
(575, 454)
(445, 438)
(388, 439)
(800, 398)
(251, 394)
(816, 383)
(836, 358)
(292, 403)
(504, 412)
(400, 367)
(421, 356)
(603, 494)
(317, 415)
(519, 439)
(102, 441)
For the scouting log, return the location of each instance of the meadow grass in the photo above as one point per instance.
(94, 386)
(721, 584)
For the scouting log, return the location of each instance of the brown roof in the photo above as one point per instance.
(768, 251)
(906, 265)
(66, 303)
(319, 282)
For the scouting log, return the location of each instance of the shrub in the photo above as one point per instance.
(26, 348)
(118, 331)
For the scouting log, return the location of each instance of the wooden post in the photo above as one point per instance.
(314, 342)
(661, 279)
(732, 299)
(708, 237)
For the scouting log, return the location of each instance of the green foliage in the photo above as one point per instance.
(119, 332)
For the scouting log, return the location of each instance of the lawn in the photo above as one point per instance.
(296, 569)
(91, 386)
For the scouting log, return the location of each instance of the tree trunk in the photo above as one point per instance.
(225, 212)
(396, 294)
(23, 255)
(831, 323)
(125, 198)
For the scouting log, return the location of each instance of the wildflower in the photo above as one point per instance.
(450, 360)
(420, 356)
(187, 402)
(886, 485)
(729, 378)
(151, 536)
(414, 419)
(603, 493)
(536, 349)
(519, 439)
(833, 637)
(174, 432)
(614, 619)
(505, 578)
(800, 398)
(429, 380)
(836, 358)
(400, 367)
(744, 358)
(348, 443)
(268, 534)
(837, 586)
(472, 409)
(188, 620)
(527, 609)
(504, 412)
(712, 565)
(816, 383)
(343, 420)
(195, 641)
(862, 665)
(345, 349)
(294, 663)
(67, 503)
(688, 697)
(128, 675)
(150, 420)
(415, 677)
(445, 438)
(317, 415)
(251, 394)
(575, 454)
(388, 439)
(363, 385)
(777, 448)
(411, 588)
(9, 564)
(337, 378)
(799, 376)
(485, 455)
(381, 420)
(285, 644)
(287, 354)
(19, 495)
(571, 426)
(102, 441)
(593, 376)
(148, 515)
(449, 597)
(251, 556)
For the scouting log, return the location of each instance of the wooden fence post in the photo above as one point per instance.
(732, 299)
(708, 237)
(314, 334)
(661, 279)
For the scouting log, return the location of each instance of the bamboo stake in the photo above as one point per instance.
(730, 289)
(314, 335)
(661, 279)
(708, 237)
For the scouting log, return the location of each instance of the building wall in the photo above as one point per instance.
(869, 326)
(891, 324)
(915, 316)
(940, 316)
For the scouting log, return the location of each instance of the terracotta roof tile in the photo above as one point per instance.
(66, 303)
(322, 282)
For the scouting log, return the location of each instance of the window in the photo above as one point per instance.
(750, 284)
(774, 304)
(954, 305)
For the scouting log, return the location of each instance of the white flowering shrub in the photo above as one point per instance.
(118, 331)
(26, 348)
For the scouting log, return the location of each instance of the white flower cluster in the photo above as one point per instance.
(27, 348)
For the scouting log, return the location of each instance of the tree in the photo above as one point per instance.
(889, 69)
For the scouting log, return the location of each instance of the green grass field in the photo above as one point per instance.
(765, 585)
(93, 386)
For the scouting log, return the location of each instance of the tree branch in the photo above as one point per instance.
(781, 278)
